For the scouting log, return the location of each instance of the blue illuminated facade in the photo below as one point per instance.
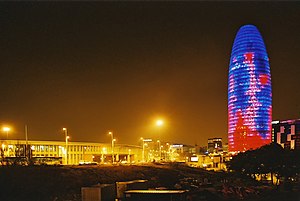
(249, 92)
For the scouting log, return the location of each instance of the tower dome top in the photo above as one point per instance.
(248, 39)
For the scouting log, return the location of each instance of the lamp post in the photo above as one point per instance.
(159, 123)
(67, 139)
(159, 150)
(103, 152)
(129, 156)
(144, 145)
(168, 151)
(143, 152)
(112, 145)
(6, 130)
(27, 150)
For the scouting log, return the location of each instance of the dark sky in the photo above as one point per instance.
(99, 66)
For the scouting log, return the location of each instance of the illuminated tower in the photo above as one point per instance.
(249, 92)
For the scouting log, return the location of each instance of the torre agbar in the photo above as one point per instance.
(249, 92)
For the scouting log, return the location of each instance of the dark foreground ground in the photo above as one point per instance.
(49, 183)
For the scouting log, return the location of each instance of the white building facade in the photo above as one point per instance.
(72, 153)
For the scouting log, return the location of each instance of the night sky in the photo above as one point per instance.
(99, 66)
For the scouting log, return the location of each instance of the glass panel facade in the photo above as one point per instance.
(249, 92)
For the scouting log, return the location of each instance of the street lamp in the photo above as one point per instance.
(103, 152)
(159, 123)
(112, 145)
(67, 139)
(168, 151)
(6, 129)
(129, 156)
(159, 150)
(145, 159)
(143, 152)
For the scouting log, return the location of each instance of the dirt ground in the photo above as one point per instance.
(61, 183)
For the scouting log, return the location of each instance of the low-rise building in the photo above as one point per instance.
(214, 145)
(73, 153)
(213, 161)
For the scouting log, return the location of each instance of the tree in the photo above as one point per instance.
(264, 160)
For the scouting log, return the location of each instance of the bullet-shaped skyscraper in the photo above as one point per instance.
(249, 92)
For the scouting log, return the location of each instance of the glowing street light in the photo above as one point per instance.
(6, 129)
(159, 122)
(67, 139)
